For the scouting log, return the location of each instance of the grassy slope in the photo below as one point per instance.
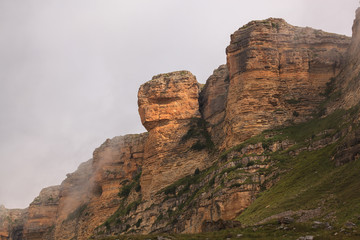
(265, 232)
(312, 180)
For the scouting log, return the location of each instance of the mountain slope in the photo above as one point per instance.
(271, 135)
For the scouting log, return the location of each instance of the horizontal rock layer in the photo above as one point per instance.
(277, 74)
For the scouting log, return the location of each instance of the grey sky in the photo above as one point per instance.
(70, 70)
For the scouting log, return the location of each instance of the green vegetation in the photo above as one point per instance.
(185, 183)
(198, 131)
(135, 184)
(269, 231)
(125, 208)
(311, 179)
(306, 179)
(126, 189)
(292, 101)
(329, 87)
(275, 25)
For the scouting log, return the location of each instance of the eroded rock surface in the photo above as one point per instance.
(90, 195)
(213, 98)
(277, 74)
(12, 223)
(42, 214)
(167, 106)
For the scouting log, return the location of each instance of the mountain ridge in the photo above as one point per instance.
(218, 153)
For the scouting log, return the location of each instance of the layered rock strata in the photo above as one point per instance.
(168, 104)
(212, 101)
(42, 214)
(277, 74)
(12, 223)
(90, 195)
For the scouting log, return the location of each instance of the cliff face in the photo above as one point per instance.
(12, 223)
(90, 195)
(348, 80)
(168, 106)
(277, 72)
(212, 101)
(176, 177)
(42, 214)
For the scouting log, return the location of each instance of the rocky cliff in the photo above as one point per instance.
(283, 106)
(12, 223)
(348, 80)
(168, 107)
(277, 74)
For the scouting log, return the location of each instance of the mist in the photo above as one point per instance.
(70, 70)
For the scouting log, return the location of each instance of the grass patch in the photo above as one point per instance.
(198, 130)
(264, 232)
(313, 179)
(135, 184)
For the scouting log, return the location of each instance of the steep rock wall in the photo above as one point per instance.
(42, 214)
(168, 104)
(12, 223)
(212, 101)
(348, 81)
(90, 195)
(277, 74)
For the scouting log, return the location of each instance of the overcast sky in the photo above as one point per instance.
(70, 70)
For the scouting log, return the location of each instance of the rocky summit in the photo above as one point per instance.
(268, 147)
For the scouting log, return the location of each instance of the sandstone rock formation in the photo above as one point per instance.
(277, 72)
(12, 223)
(87, 197)
(212, 100)
(42, 214)
(90, 195)
(168, 104)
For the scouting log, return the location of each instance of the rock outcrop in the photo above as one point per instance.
(212, 100)
(90, 195)
(277, 74)
(168, 106)
(42, 214)
(12, 223)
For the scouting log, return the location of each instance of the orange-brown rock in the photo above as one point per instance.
(277, 74)
(168, 97)
(42, 214)
(90, 195)
(84, 200)
(12, 223)
(213, 102)
(167, 106)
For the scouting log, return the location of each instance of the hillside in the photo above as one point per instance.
(268, 148)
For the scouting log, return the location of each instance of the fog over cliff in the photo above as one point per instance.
(70, 70)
